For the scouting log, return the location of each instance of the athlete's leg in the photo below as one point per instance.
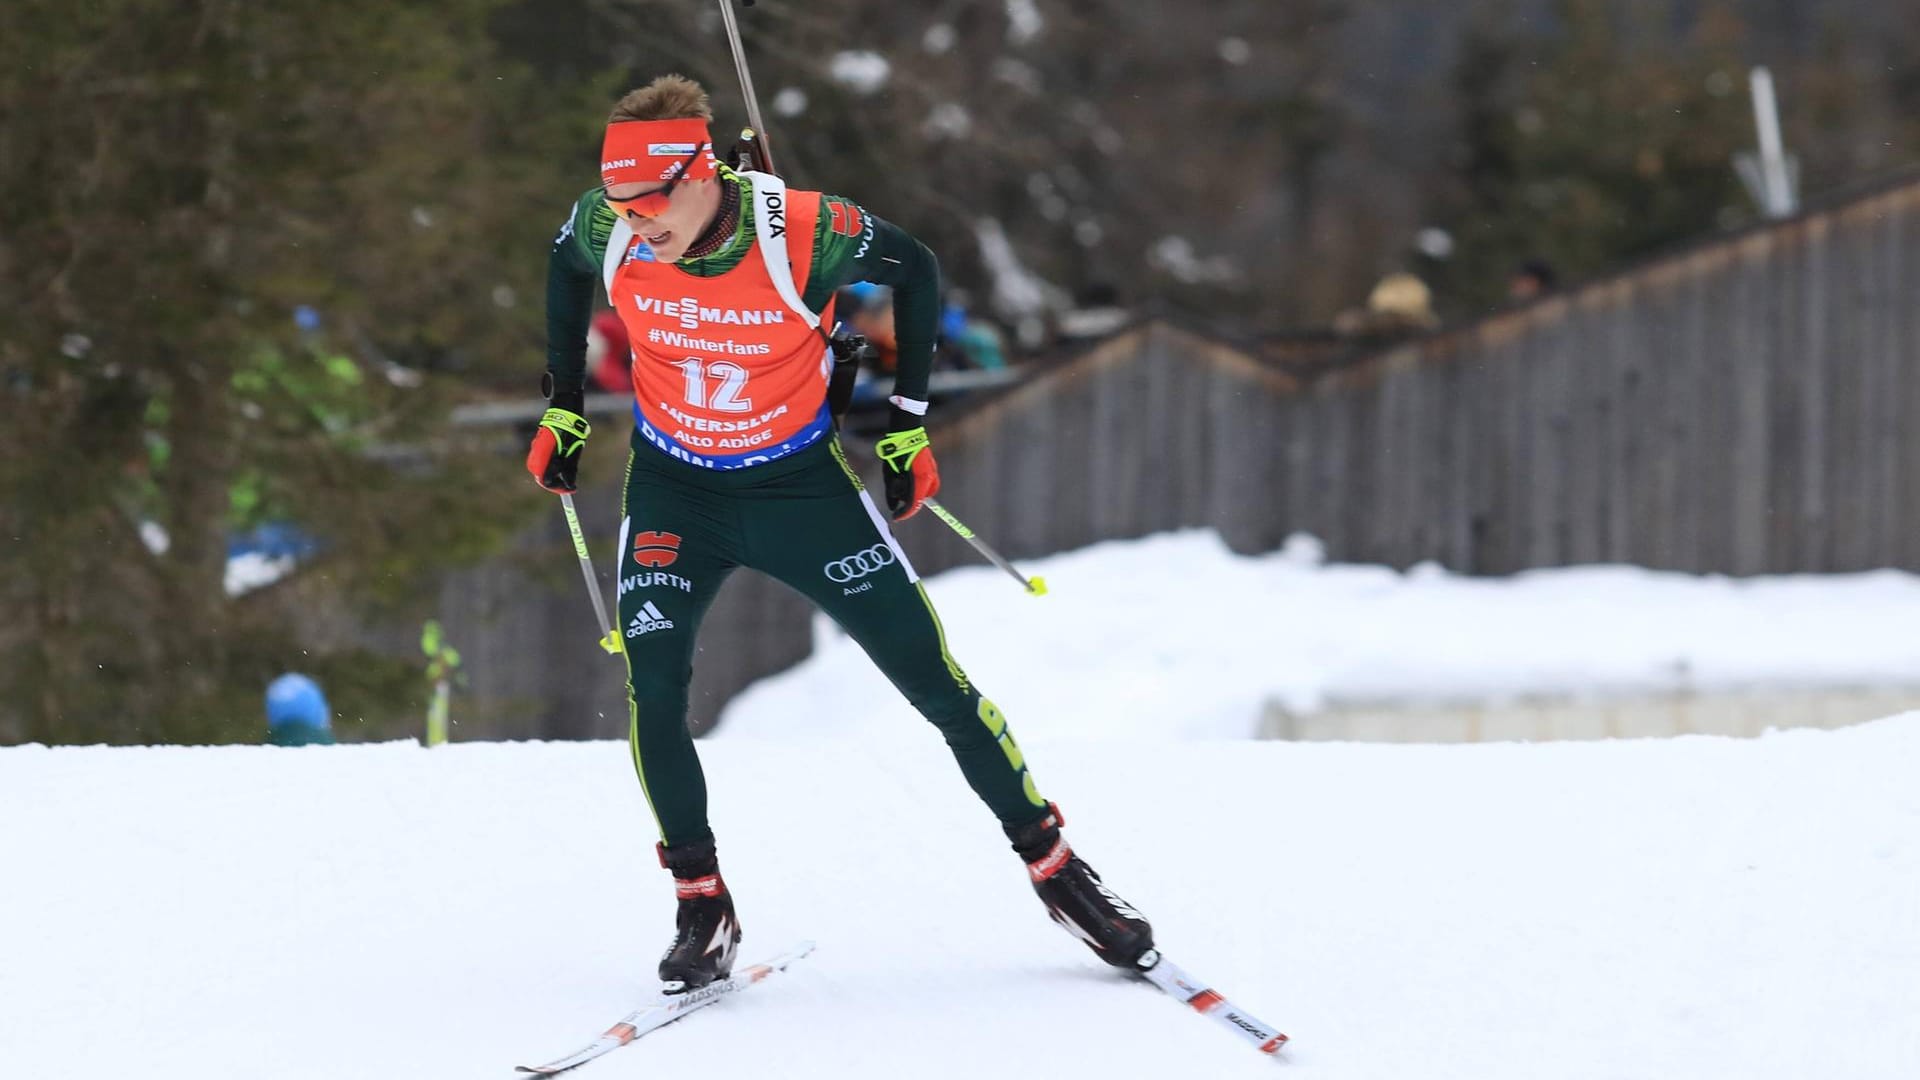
(824, 537)
(676, 548)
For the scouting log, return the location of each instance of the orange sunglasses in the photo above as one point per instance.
(654, 203)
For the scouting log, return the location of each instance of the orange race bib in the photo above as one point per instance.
(726, 374)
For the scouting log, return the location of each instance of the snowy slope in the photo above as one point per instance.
(1691, 908)
(1175, 635)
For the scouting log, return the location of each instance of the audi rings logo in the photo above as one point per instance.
(859, 564)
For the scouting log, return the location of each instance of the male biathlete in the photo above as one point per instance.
(725, 281)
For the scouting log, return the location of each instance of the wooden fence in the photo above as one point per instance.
(1744, 407)
(1748, 406)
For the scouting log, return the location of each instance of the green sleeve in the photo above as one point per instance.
(573, 276)
(852, 245)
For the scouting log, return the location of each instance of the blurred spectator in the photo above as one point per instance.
(868, 309)
(609, 354)
(969, 342)
(1096, 313)
(1400, 305)
(297, 713)
(1532, 278)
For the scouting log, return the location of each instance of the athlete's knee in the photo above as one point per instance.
(964, 717)
(932, 682)
(986, 735)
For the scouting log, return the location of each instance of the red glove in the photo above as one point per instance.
(554, 457)
(907, 469)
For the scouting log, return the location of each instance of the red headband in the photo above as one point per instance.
(646, 151)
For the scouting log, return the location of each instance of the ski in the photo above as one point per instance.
(1207, 1001)
(665, 1010)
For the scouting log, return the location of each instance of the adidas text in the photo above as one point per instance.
(648, 619)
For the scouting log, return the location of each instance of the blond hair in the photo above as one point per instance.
(669, 97)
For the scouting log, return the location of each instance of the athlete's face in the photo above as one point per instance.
(689, 208)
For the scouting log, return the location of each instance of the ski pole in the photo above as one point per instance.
(746, 80)
(611, 642)
(1036, 585)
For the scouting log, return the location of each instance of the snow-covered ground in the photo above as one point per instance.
(1176, 636)
(1685, 908)
(1691, 908)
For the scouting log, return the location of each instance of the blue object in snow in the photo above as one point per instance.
(295, 701)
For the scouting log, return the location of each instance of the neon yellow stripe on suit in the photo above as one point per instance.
(996, 722)
(953, 666)
(840, 456)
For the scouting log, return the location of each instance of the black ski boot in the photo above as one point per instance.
(706, 931)
(1075, 896)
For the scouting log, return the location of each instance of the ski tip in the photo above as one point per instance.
(1273, 1045)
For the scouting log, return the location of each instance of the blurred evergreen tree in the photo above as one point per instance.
(1596, 139)
(179, 179)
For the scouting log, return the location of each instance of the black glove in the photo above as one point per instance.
(907, 468)
(554, 457)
